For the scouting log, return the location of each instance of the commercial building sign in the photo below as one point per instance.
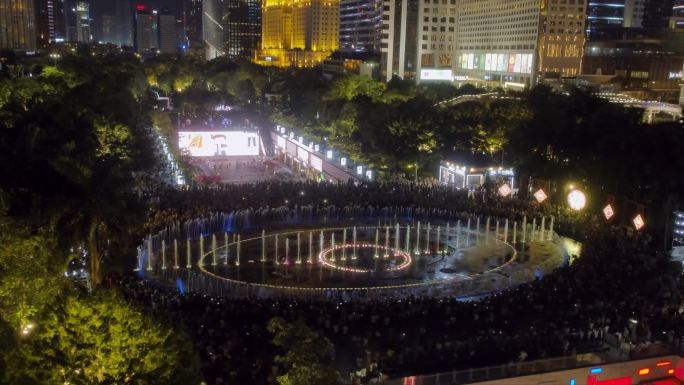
(435, 74)
(499, 62)
(280, 142)
(292, 149)
(302, 154)
(316, 162)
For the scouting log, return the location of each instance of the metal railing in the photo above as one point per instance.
(516, 369)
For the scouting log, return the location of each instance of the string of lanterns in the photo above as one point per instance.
(577, 201)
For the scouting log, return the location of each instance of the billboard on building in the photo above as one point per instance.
(435, 74)
(219, 143)
(316, 162)
(303, 154)
(280, 142)
(499, 62)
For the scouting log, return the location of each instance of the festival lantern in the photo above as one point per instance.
(540, 196)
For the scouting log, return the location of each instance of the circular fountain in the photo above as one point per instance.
(355, 258)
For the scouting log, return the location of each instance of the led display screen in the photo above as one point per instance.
(219, 143)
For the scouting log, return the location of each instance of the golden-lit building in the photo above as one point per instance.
(561, 38)
(300, 33)
(17, 25)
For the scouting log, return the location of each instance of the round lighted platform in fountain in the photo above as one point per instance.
(396, 255)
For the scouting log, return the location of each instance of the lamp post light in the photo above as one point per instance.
(54, 57)
(577, 200)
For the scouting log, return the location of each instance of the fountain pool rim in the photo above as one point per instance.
(201, 265)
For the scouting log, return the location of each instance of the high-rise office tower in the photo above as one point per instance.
(44, 23)
(181, 38)
(212, 28)
(242, 27)
(192, 18)
(360, 25)
(521, 39)
(17, 25)
(145, 37)
(561, 38)
(299, 33)
(70, 20)
(399, 47)
(59, 19)
(607, 19)
(168, 42)
(124, 14)
(437, 39)
(677, 18)
(82, 17)
(110, 29)
(678, 8)
(657, 13)
(505, 51)
(231, 28)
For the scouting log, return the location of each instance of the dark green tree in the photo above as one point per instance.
(307, 355)
(100, 339)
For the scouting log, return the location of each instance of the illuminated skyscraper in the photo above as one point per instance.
(145, 36)
(49, 22)
(503, 52)
(561, 38)
(299, 33)
(212, 28)
(677, 19)
(360, 25)
(657, 13)
(83, 32)
(399, 45)
(168, 38)
(192, 15)
(607, 19)
(678, 8)
(109, 31)
(231, 28)
(445, 40)
(124, 14)
(17, 24)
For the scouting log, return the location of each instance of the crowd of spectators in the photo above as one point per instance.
(618, 287)
(181, 205)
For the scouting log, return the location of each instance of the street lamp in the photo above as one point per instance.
(415, 171)
(54, 57)
(577, 200)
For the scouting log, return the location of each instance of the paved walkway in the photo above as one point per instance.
(244, 169)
